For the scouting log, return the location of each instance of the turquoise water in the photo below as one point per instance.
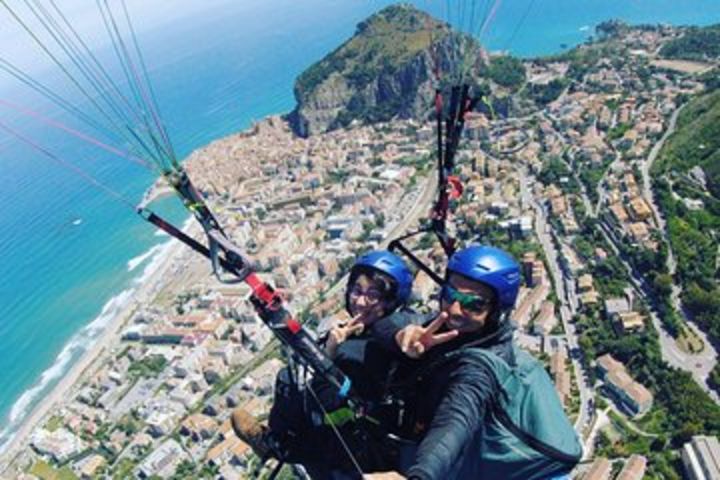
(71, 255)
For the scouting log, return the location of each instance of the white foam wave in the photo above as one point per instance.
(157, 261)
(84, 339)
(584, 28)
(140, 259)
(78, 344)
(159, 255)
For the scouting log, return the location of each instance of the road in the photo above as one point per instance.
(698, 365)
(567, 308)
(660, 221)
(601, 421)
(645, 168)
(702, 363)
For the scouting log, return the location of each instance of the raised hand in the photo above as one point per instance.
(415, 340)
(339, 333)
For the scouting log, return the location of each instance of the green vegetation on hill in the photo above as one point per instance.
(507, 71)
(681, 408)
(698, 43)
(544, 94)
(696, 141)
(381, 44)
(693, 232)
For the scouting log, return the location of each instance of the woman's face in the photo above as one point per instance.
(366, 298)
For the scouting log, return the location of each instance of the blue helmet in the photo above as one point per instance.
(491, 266)
(391, 265)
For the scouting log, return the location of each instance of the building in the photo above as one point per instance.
(701, 457)
(558, 206)
(585, 283)
(599, 470)
(590, 298)
(528, 262)
(338, 227)
(521, 227)
(537, 274)
(616, 306)
(629, 395)
(634, 468)
(424, 287)
(88, 467)
(545, 320)
(638, 231)
(529, 302)
(561, 375)
(198, 427)
(619, 212)
(60, 444)
(163, 461)
(629, 322)
(164, 335)
(639, 209)
(230, 450)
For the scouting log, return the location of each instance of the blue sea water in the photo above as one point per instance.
(71, 255)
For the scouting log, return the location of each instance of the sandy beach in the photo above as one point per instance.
(143, 294)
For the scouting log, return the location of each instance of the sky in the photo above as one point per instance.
(19, 49)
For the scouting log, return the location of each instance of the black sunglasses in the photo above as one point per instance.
(468, 301)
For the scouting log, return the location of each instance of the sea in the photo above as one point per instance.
(72, 256)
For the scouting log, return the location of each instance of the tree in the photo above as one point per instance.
(185, 470)
(507, 71)
(380, 220)
(663, 284)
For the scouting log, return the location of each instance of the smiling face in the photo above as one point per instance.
(367, 297)
(467, 303)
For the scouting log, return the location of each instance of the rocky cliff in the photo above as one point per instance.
(385, 70)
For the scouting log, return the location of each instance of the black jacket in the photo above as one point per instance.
(453, 392)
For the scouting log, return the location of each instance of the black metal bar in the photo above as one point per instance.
(272, 313)
(396, 245)
(276, 470)
(173, 231)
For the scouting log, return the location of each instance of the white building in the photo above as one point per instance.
(162, 461)
(60, 444)
(701, 457)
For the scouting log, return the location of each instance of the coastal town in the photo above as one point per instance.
(566, 189)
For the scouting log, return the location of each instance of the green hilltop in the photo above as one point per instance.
(382, 43)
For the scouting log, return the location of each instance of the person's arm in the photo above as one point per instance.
(385, 329)
(461, 412)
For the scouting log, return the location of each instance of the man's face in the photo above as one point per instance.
(467, 303)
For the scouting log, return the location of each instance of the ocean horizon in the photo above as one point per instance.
(73, 258)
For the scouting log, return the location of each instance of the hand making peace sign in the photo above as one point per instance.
(341, 332)
(415, 340)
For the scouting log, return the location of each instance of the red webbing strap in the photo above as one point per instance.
(271, 299)
(261, 289)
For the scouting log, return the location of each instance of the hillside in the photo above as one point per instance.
(687, 179)
(384, 70)
(696, 141)
(697, 43)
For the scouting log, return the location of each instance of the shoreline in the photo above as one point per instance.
(141, 293)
